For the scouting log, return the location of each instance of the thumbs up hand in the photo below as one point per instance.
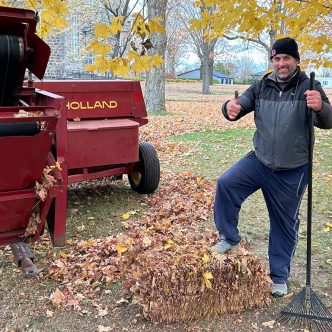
(232, 107)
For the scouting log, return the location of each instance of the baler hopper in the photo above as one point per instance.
(30, 177)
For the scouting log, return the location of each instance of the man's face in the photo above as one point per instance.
(284, 66)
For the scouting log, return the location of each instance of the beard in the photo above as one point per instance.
(285, 76)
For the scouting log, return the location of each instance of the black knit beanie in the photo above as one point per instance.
(285, 46)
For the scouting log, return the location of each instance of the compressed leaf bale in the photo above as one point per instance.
(172, 288)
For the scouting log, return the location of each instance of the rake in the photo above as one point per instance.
(306, 309)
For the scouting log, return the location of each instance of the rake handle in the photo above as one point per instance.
(310, 162)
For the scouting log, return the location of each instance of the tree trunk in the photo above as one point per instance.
(211, 62)
(205, 69)
(155, 78)
(273, 37)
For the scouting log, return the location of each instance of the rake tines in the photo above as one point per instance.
(307, 311)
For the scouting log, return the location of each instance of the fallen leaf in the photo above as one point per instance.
(147, 241)
(269, 324)
(57, 298)
(102, 328)
(169, 244)
(207, 277)
(102, 312)
(126, 216)
(49, 313)
(72, 302)
(205, 258)
(122, 301)
(121, 248)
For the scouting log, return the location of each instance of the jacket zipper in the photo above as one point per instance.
(274, 134)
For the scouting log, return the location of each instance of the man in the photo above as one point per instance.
(279, 164)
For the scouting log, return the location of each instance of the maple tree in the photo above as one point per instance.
(120, 61)
(52, 14)
(262, 22)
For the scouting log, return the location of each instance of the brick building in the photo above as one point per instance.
(68, 48)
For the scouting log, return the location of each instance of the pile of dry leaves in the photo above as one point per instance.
(163, 261)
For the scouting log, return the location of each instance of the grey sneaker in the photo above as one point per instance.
(221, 247)
(279, 290)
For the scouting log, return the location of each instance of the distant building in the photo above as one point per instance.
(326, 82)
(260, 74)
(69, 53)
(196, 75)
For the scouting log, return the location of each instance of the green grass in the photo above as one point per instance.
(213, 152)
(96, 211)
(159, 113)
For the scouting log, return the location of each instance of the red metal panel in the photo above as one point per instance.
(99, 99)
(94, 173)
(96, 143)
(24, 158)
(15, 210)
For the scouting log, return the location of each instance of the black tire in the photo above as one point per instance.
(146, 174)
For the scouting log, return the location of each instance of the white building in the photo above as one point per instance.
(326, 82)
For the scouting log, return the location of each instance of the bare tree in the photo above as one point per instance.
(204, 47)
(177, 37)
(155, 78)
(244, 67)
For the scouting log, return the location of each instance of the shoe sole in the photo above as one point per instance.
(278, 295)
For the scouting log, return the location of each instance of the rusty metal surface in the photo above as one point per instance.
(24, 259)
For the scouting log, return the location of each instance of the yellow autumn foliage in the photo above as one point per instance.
(307, 21)
(52, 13)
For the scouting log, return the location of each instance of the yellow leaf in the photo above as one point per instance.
(121, 248)
(117, 25)
(102, 30)
(97, 47)
(207, 277)
(155, 26)
(126, 216)
(63, 254)
(169, 244)
(147, 241)
(57, 166)
(205, 258)
(326, 229)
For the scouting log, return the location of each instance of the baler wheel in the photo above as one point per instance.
(146, 174)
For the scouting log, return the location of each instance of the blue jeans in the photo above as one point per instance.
(283, 192)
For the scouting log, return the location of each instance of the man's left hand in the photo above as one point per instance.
(314, 100)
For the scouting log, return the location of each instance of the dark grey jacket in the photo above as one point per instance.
(281, 137)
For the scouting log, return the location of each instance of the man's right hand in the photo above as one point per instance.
(233, 108)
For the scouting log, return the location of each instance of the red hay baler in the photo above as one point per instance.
(67, 131)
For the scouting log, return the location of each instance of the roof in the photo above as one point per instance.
(215, 73)
(260, 73)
